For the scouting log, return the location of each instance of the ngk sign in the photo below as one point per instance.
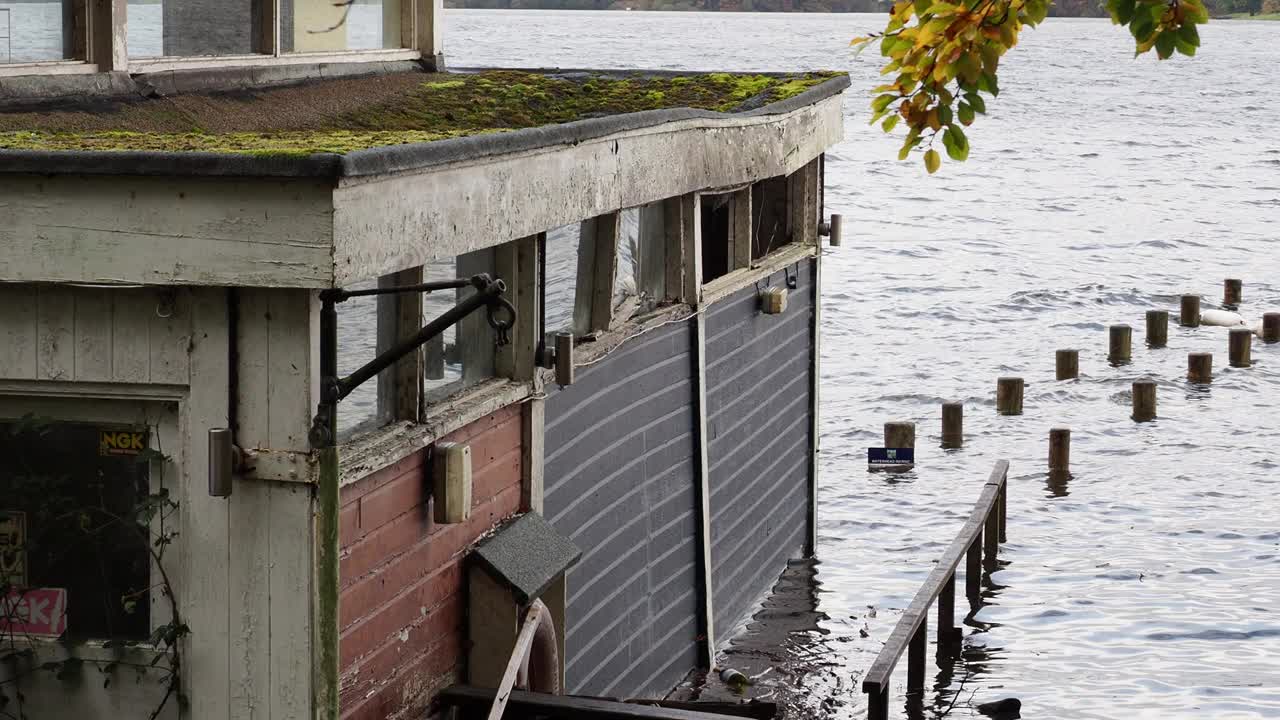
(40, 612)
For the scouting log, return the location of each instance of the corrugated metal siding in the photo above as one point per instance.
(620, 481)
(759, 437)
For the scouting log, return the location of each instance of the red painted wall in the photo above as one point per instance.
(402, 617)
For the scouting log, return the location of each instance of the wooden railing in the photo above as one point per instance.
(985, 528)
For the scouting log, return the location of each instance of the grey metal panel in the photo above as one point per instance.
(620, 478)
(759, 430)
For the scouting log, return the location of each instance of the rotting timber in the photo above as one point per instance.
(174, 249)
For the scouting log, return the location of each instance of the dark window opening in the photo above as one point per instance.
(717, 218)
(74, 532)
(769, 216)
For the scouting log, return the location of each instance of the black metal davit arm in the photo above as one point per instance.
(333, 388)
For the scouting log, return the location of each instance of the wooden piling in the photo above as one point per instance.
(1121, 349)
(1157, 328)
(1190, 316)
(1240, 345)
(900, 435)
(1009, 392)
(1144, 400)
(1060, 449)
(952, 425)
(1200, 367)
(1271, 327)
(1068, 364)
(1232, 292)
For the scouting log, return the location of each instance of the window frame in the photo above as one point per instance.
(104, 44)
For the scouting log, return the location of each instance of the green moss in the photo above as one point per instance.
(469, 104)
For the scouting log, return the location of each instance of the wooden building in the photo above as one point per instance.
(185, 524)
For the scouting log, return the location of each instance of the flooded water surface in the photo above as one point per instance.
(1100, 187)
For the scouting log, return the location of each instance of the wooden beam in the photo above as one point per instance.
(429, 29)
(740, 232)
(607, 228)
(691, 247)
(400, 317)
(266, 27)
(673, 219)
(533, 455)
(107, 40)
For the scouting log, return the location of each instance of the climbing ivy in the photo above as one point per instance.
(945, 57)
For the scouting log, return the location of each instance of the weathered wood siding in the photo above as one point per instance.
(758, 442)
(69, 334)
(403, 599)
(620, 479)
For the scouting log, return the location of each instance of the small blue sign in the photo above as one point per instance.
(890, 457)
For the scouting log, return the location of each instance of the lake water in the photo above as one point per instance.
(1100, 187)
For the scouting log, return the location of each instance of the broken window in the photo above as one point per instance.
(769, 217)
(78, 521)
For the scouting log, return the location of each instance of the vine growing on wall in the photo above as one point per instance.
(91, 528)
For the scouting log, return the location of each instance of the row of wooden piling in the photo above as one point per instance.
(1010, 390)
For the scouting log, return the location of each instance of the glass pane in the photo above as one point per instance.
(562, 277)
(36, 31)
(183, 28)
(322, 26)
(464, 354)
(75, 530)
(357, 345)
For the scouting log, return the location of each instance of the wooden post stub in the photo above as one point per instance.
(1200, 367)
(1009, 395)
(1271, 327)
(1190, 316)
(1060, 449)
(952, 425)
(1157, 328)
(1121, 349)
(1232, 291)
(1240, 345)
(1144, 400)
(1068, 364)
(900, 435)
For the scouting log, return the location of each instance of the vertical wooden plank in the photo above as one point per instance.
(973, 571)
(170, 334)
(430, 31)
(707, 651)
(93, 335)
(18, 331)
(653, 252)
(493, 622)
(527, 297)
(249, 513)
(584, 277)
(673, 210)
(400, 317)
(266, 27)
(506, 267)
(294, 369)
(474, 336)
(607, 229)
(204, 594)
(533, 454)
(947, 612)
(691, 219)
(130, 335)
(291, 542)
(108, 45)
(741, 236)
(55, 328)
(916, 652)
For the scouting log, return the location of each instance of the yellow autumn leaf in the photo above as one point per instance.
(932, 161)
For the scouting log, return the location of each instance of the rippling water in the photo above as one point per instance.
(1100, 187)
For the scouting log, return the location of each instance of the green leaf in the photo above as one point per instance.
(1142, 27)
(891, 122)
(957, 144)
(944, 114)
(881, 103)
(1122, 10)
(989, 84)
(966, 113)
(932, 161)
(1165, 44)
(1185, 47)
(979, 105)
(1189, 34)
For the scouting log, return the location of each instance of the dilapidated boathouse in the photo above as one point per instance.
(320, 364)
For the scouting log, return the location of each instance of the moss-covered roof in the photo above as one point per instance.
(341, 116)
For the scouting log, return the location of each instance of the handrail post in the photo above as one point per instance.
(973, 571)
(878, 709)
(916, 656)
(991, 543)
(947, 614)
(1004, 502)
